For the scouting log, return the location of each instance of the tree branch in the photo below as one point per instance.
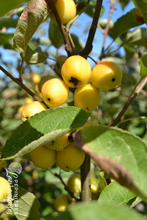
(62, 28)
(18, 81)
(89, 44)
(130, 100)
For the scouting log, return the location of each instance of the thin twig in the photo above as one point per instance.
(130, 100)
(19, 82)
(112, 7)
(89, 44)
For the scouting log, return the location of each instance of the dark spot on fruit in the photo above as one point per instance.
(113, 79)
(87, 109)
(53, 142)
(70, 138)
(74, 81)
(27, 117)
(48, 99)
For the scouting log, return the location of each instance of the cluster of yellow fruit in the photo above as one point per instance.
(76, 73)
(5, 194)
(62, 202)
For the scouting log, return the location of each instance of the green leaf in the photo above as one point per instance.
(6, 7)
(124, 3)
(33, 15)
(136, 37)
(34, 56)
(5, 37)
(91, 8)
(26, 205)
(42, 128)
(8, 22)
(143, 65)
(116, 193)
(141, 5)
(55, 35)
(94, 211)
(122, 147)
(122, 24)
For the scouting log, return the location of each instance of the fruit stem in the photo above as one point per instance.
(18, 81)
(85, 180)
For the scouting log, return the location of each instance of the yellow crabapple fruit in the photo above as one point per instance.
(36, 78)
(28, 100)
(31, 109)
(106, 76)
(76, 71)
(62, 202)
(55, 92)
(70, 158)
(74, 183)
(66, 11)
(87, 97)
(59, 143)
(43, 157)
(5, 188)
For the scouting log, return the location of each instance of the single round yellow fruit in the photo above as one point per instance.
(36, 78)
(87, 97)
(66, 10)
(70, 158)
(55, 92)
(28, 100)
(74, 183)
(76, 71)
(32, 109)
(43, 157)
(5, 188)
(62, 202)
(94, 187)
(59, 143)
(1, 165)
(106, 76)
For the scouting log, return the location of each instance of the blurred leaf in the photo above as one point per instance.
(122, 147)
(91, 8)
(27, 205)
(33, 15)
(77, 41)
(94, 211)
(123, 3)
(42, 128)
(5, 37)
(8, 22)
(55, 35)
(6, 7)
(141, 5)
(136, 37)
(34, 56)
(143, 65)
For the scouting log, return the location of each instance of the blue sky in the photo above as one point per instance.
(78, 29)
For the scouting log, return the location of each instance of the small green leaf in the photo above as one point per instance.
(8, 22)
(26, 205)
(136, 37)
(116, 193)
(34, 56)
(93, 211)
(143, 66)
(5, 37)
(42, 128)
(33, 15)
(55, 35)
